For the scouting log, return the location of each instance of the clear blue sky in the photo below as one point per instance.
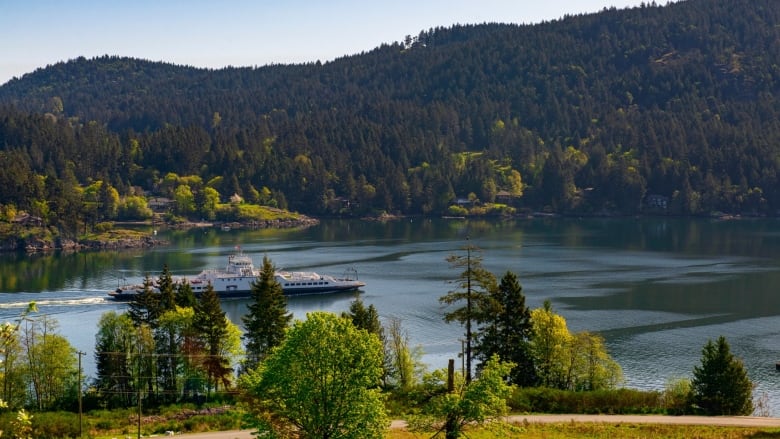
(217, 33)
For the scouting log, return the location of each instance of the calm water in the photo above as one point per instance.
(657, 289)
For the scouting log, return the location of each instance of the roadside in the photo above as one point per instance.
(722, 421)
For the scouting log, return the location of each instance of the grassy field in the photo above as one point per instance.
(589, 430)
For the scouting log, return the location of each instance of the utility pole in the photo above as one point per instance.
(450, 423)
(139, 387)
(468, 312)
(81, 412)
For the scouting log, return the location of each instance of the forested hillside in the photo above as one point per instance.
(664, 109)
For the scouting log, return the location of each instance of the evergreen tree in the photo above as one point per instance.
(165, 284)
(364, 318)
(507, 331)
(210, 323)
(165, 337)
(368, 319)
(268, 318)
(145, 306)
(473, 287)
(185, 297)
(721, 385)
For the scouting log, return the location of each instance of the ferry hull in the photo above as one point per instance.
(126, 294)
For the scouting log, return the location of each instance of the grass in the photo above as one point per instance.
(590, 430)
(105, 424)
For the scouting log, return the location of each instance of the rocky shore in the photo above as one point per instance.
(118, 239)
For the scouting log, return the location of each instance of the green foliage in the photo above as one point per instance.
(218, 337)
(267, 318)
(720, 385)
(677, 396)
(570, 361)
(471, 295)
(621, 110)
(455, 210)
(478, 402)
(51, 364)
(114, 342)
(321, 382)
(615, 401)
(550, 347)
(46, 425)
(133, 207)
(506, 331)
(403, 364)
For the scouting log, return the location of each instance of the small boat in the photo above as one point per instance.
(236, 280)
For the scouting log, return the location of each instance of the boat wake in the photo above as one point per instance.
(54, 302)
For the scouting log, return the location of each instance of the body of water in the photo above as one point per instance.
(657, 289)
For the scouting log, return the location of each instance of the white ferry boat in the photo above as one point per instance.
(236, 280)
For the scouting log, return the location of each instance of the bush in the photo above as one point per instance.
(104, 226)
(676, 398)
(454, 210)
(618, 401)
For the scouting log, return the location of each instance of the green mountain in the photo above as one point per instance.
(664, 109)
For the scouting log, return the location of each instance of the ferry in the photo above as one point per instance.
(236, 280)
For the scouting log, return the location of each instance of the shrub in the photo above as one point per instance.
(617, 401)
(676, 398)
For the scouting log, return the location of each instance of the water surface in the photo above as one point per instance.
(657, 289)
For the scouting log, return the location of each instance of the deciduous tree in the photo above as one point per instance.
(321, 382)
(114, 343)
(480, 402)
(550, 346)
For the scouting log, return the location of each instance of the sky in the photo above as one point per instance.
(239, 33)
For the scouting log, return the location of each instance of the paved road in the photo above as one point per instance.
(726, 421)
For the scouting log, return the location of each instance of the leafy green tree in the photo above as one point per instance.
(108, 201)
(473, 287)
(550, 346)
(267, 320)
(403, 364)
(134, 207)
(321, 382)
(51, 361)
(209, 199)
(507, 331)
(592, 368)
(185, 200)
(482, 401)
(114, 343)
(143, 362)
(569, 361)
(721, 385)
(12, 364)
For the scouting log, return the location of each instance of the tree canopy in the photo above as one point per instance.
(664, 109)
(321, 382)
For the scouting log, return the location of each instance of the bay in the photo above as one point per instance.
(656, 288)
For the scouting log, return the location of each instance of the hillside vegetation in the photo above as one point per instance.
(662, 109)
